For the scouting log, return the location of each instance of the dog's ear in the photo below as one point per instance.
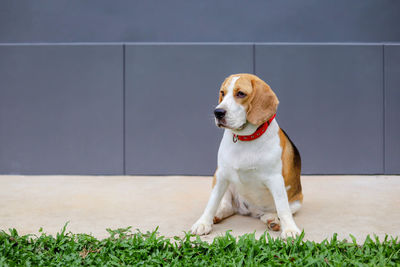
(263, 103)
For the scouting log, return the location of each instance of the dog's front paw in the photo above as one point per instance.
(290, 232)
(201, 228)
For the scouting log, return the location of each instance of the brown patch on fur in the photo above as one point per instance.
(223, 90)
(264, 102)
(244, 85)
(217, 220)
(271, 224)
(291, 167)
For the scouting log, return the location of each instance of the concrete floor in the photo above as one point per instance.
(359, 205)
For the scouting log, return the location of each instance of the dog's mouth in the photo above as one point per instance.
(222, 124)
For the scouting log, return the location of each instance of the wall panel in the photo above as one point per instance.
(171, 92)
(61, 109)
(331, 103)
(392, 109)
(199, 21)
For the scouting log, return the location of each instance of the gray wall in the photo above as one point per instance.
(128, 87)
(147, 108)
(199, 21)
(61, 109)
(392, 109)
(332, 103)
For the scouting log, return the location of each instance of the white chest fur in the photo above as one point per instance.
(249, 166)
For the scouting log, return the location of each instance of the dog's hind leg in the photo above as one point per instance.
(272, 220)
(226, 208)
(295, 206)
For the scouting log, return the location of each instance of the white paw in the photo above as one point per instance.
(290, 232)
(201, 228)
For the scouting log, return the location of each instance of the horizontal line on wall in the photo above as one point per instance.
(44, 44)
(200, 43)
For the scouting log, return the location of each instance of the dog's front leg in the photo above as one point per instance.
(277, 188)
(203, 225)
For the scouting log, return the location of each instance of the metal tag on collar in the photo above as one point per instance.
(235, 138)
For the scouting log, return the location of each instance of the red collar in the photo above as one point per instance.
(260, 130)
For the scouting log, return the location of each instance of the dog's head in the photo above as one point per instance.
(244, 98)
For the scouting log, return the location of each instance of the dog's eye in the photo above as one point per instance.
(240, 94)
(222, 93)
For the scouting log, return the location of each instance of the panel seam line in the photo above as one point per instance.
(123, 111)
(384, 109)
(254, 58)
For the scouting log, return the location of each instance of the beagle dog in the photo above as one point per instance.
(258, 171)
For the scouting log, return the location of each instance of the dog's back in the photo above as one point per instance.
(291, 167)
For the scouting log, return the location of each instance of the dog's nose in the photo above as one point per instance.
(219, 113)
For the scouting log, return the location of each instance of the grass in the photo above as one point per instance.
(124, 247)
